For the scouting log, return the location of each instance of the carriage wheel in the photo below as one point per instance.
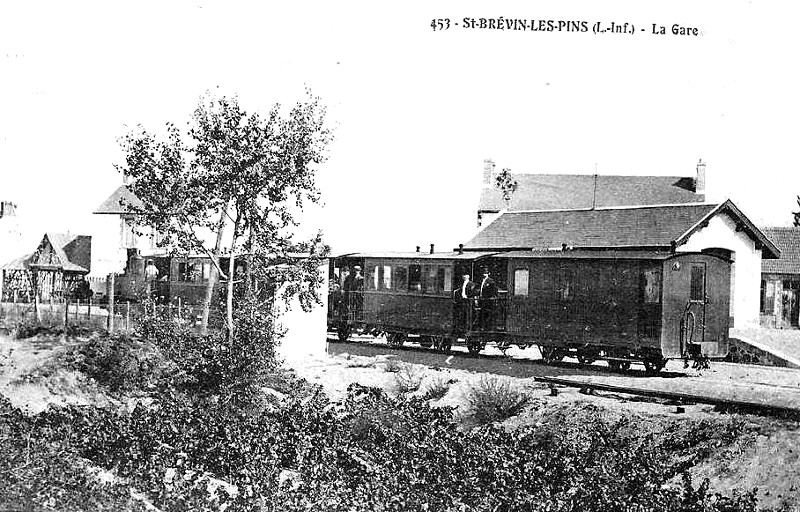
(614, 365)
(426, 341)
(395, 339)
(624, 365)
(586, 356)
(654, 365)
(343, 332)
(551, 354)
(442, 343)
(474, 346)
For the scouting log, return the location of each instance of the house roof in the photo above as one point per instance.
(122, 201)
(788, 241)
(659, 226)
(74, 253)
(572, 191)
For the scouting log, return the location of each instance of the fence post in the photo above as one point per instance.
(89, 310)
(127, 315)
(66, 310)
(110, 293)
(180, 315)
(77, 309)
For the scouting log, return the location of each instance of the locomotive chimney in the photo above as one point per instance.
(700, 180)
(417, 248)
(460, 248)
(431, 248)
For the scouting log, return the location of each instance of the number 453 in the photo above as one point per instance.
(440, 23)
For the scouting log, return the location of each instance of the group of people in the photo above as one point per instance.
(475, 301)
(349, 295)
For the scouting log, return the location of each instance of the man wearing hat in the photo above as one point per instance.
(487, 296)
(353, 289)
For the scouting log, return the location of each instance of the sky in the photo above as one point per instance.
(414, 111)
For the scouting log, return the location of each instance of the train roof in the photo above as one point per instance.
(589, 255)
(455, 255)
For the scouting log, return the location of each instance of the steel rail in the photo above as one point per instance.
(670, 395)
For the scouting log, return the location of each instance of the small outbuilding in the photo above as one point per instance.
(55, 270)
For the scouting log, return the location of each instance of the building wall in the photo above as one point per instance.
(745, 272)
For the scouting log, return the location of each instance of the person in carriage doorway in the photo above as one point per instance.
(487, 300)
(151, 275)
(354, 291)
(462, 304)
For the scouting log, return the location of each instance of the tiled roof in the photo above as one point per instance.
(610, 228)
(598, 228)
(74, 253)
(788, 241)
(120, 202)
(572, 191)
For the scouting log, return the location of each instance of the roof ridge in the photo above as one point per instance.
(626, 207)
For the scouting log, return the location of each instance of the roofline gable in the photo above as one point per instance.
(727, 206)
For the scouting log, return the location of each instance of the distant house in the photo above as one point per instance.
(119, 232)
(780, 280)
(572, 191)
(10, 233)
(695, 227)
(55, 270)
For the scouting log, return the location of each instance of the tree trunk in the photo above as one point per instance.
(212, 277)
(231, 276)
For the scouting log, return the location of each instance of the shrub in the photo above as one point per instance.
(392, 366)
(438, 388)
(408, 379)
(492, 399)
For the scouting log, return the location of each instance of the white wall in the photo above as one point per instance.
(746, 271)
(307, 331)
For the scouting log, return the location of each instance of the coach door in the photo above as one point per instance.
(694, 320)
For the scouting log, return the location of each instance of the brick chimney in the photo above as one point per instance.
(700, 180)
(8, 209)
(488, 171)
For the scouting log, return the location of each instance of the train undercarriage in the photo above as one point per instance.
(617, 357)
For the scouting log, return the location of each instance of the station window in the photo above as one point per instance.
(414, 278)
(767, 297)
(652, 286)
(521, 276)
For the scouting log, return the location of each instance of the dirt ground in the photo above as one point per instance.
(768, 457)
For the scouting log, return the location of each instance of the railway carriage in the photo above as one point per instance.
(618, 306)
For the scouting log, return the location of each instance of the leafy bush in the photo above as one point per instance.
(438, 388)
(119, 361)
(408, 379)
(392, 366)
(492, 399)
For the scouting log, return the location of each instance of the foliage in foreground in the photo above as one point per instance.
(370, 452)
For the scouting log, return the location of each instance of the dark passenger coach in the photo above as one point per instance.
(618, 306)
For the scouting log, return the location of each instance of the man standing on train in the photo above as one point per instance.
(487, 297)
(462, 300)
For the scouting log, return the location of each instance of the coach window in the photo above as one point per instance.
(414, 278)
(373, 277)
(387, 278)
(652, 286)
(565, 286)
(429, 279)
(521, 282)
(400, 278)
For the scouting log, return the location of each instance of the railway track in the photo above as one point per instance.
(679, 388)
